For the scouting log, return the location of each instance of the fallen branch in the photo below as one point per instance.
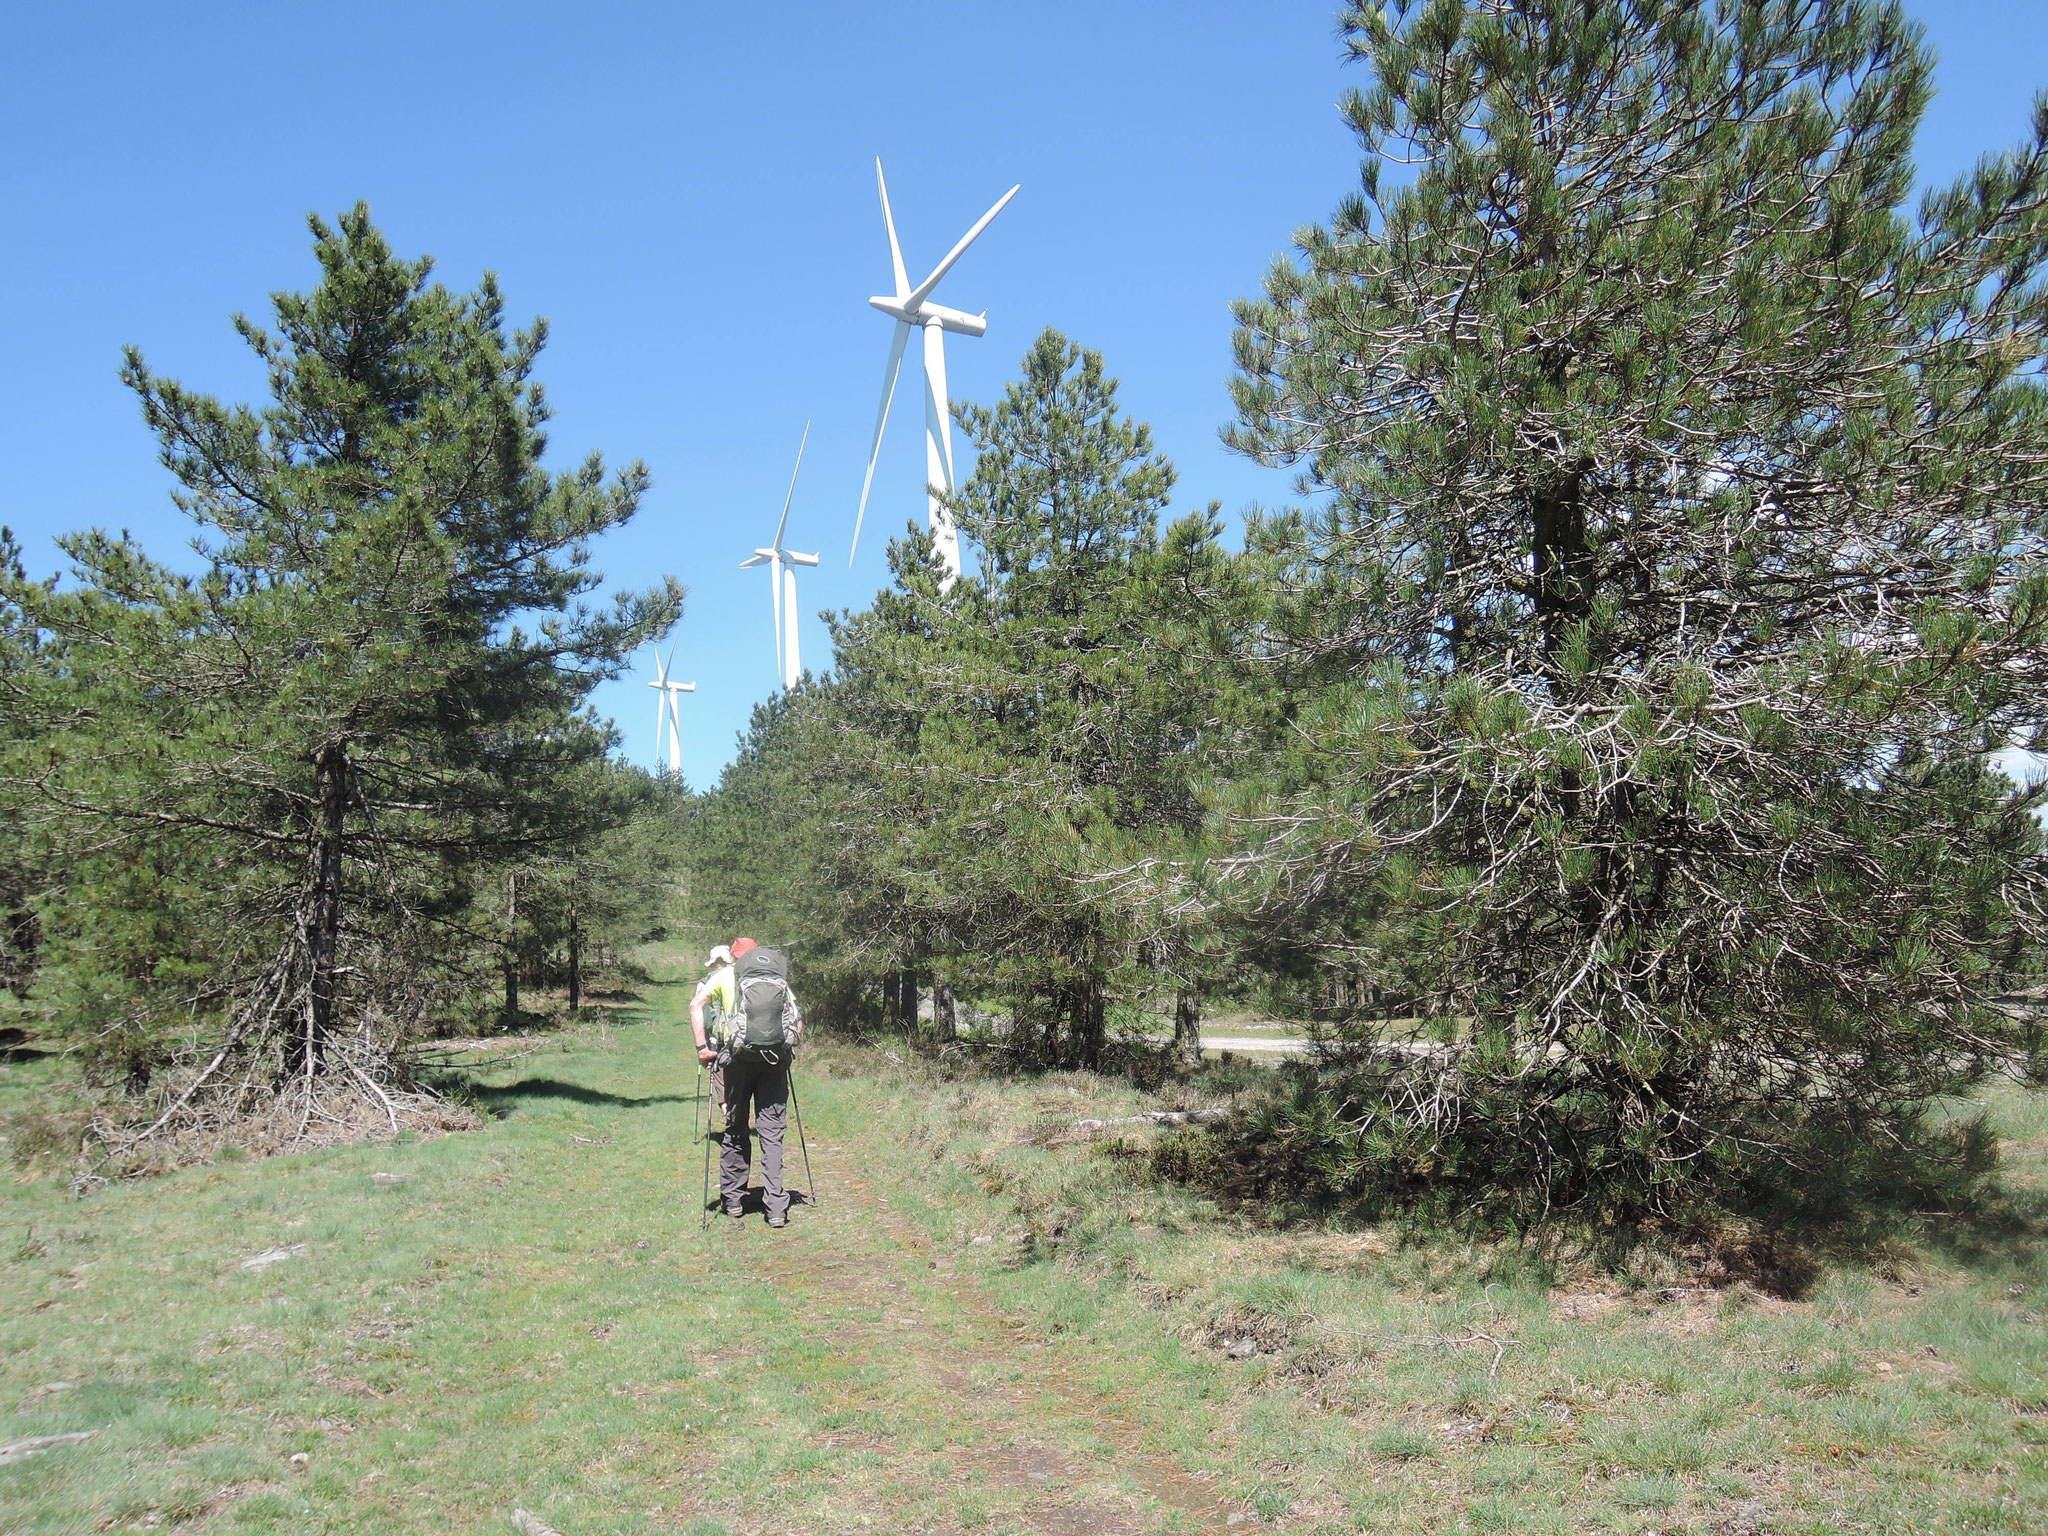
(450, 1053)
(488, 1064)
(382, 1097)
(1373, 1336)
(1500, 1349)
(21, 1450)
(1157, 1117)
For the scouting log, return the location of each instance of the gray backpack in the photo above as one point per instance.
(761, 977)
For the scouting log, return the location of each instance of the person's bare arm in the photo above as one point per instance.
(704, 1051)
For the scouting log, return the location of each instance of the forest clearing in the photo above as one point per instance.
(984, 1325)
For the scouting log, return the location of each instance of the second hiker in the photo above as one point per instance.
(711, 1007)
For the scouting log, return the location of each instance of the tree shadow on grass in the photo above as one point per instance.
(15, 1054)
(500, 1100)
(1965, 1183)
(614, 997)
(1949, 1187)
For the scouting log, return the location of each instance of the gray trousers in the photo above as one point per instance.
(749, 1080)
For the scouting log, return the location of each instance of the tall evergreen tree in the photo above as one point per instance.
(1677, 570)
(286, 774)
(26, 678)
(1014, 742)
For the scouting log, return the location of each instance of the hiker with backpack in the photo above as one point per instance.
(766, 1022)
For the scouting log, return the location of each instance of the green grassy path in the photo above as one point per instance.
(530, 1317)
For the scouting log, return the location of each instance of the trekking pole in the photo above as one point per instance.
(704, 1209)
(697, 1101)
(798, 1110)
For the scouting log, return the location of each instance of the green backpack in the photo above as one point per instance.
(761, 978)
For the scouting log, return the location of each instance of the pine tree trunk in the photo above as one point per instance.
(511, 951)
(1187, 1026)
(899, 999)
(575, 963)
(945, 1016)
(321, 911)
(1090, 1019)
(1561, 563)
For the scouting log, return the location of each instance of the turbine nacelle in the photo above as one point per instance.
(958, 321)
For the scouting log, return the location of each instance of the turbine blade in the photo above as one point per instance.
(889, 372)
(938, 418)
(888, 218)
(757, 558)
(792, 485)
(923, 290)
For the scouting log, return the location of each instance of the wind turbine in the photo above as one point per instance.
(913, 306)
(782, 581)
(666, 711)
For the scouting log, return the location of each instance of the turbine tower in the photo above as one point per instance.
(781, 563)
(913, 306)
(666, 711)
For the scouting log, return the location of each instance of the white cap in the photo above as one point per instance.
(721, 954)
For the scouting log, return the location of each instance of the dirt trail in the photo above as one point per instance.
(862, 1278)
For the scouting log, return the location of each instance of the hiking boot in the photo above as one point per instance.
(735, 1212)
(778, 1221)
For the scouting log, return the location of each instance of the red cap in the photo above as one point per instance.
(741, 946)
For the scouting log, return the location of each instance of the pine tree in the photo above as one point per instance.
(1678, 566)
(286, 777)
(1013, 746)
(26, 666)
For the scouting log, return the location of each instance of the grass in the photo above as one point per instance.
(989, 1324)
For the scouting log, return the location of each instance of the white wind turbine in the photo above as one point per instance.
(782, 581)
(913, 306)
(667, 712)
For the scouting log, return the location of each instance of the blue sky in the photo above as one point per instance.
(687, 193)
